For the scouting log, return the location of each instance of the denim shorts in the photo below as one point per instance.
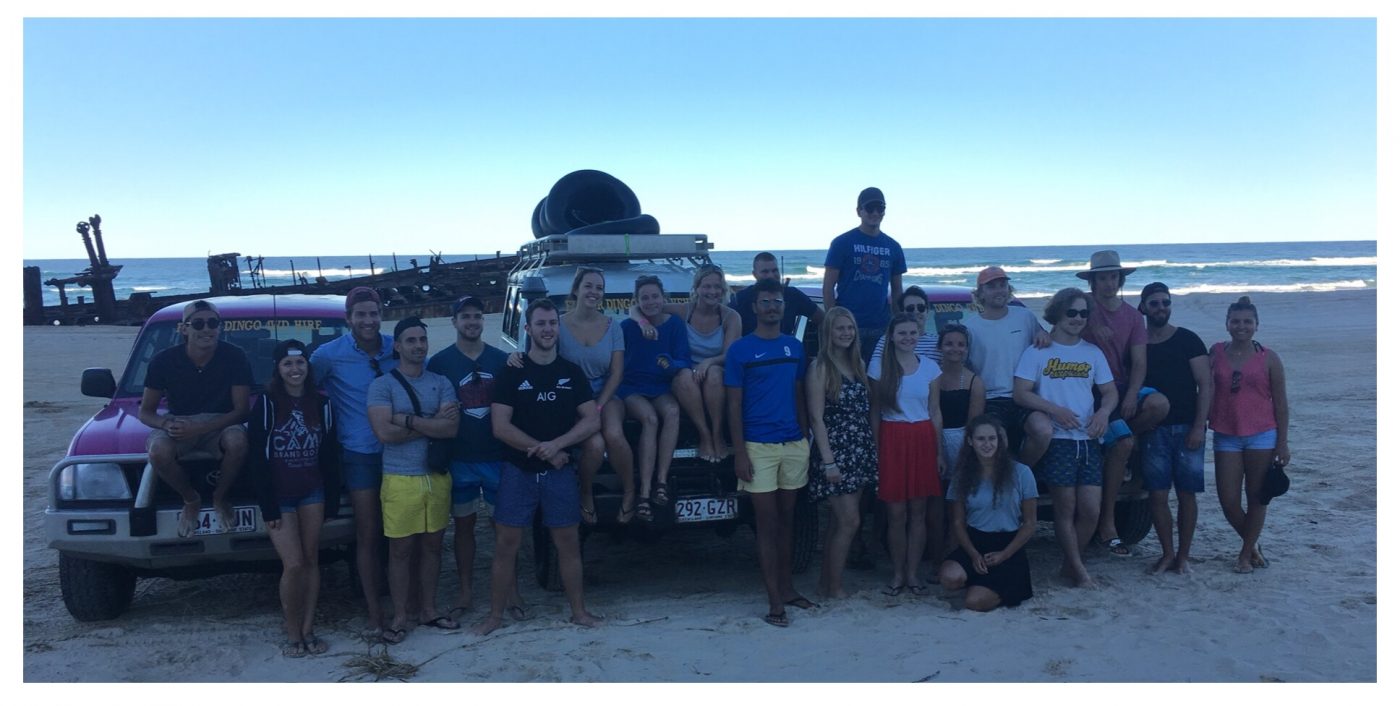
(1166, 462)
(1071, 462)
(361, 471)
(1264, 440)
(554, 492)
(473, 482)
(291, 504)
(1117, 428)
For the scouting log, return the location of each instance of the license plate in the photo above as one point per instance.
(703, 509)
(685, 453)
(244, 520)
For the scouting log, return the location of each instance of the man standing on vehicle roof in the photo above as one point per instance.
(538, 412)
(345, 367)
(473, 366)
(406, 408)
(997, 336)
(1118, 331)
(1174, 454)
(767, 418)
(864, 271)
(206, 383)
(765, 266)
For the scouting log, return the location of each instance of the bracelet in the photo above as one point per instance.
(826, 466)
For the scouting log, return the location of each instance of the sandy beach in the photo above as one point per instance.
(688, 607)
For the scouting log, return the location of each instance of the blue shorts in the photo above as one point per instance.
(1071, 462)
(472, 482)
(361, 471)
(554, 492)
(1166, 462)
(1117, 428)
(291, 504)
(1264, 440)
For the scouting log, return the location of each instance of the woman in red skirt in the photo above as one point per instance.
(905, 403)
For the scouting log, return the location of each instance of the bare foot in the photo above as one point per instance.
(1256, 558)
(706, 450)
(585, 619)
(1085, 581)
(1182, 565)
(1162, 564)
(722, 451)
(189, 517)
(1078, 578)
(224, 511)
(487, 626)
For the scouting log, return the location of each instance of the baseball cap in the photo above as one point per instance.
(466, 301)
(869, 194)
(1153, 288)
(408, 323)
(361, 294)
(288, 347)
(990, 273)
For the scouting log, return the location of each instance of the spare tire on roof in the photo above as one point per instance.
(641, 225)
(584, 198)
(536, 223)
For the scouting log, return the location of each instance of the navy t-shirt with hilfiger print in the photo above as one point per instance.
(769, 371)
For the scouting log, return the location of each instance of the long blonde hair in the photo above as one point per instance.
(828, 355)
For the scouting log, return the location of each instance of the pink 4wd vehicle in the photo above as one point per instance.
(113, 521)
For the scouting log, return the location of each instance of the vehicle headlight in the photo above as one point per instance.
(93, 481)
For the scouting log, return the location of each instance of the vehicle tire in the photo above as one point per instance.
(94, 590)
(1133, 518)
(546, 558)
(641, 225)
(536, 224)
(586, 197)
(805, 531)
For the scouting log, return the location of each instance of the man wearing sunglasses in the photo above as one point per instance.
(1174, 453)
(914, 302)
(205, 383)
(865, 270)
(345, 367)
(1059, 381)
(1118, 331)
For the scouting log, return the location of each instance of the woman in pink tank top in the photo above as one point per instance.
(1249, 414)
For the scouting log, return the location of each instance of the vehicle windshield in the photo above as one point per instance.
(256, 336)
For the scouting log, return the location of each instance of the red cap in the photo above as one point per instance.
(361, 294)
(990, 274)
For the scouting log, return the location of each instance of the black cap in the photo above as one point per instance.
(408, 323)
(288, 347)
(466, 301)
(1153, 288)
(869, 194)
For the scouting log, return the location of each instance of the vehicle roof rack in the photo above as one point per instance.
(595, 247)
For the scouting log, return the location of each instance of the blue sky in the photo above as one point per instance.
(349, 136)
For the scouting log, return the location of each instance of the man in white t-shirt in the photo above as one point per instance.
(1059, 381)
(996, 338)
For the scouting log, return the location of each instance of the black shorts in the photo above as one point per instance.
(1013, 417)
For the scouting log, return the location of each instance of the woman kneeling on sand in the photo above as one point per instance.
(993, 500)
(293, 455)
(1249, 414)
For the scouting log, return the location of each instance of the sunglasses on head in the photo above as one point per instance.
(1076, 313)
(200, 324)
(911, 308)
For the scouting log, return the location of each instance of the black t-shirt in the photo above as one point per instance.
(190, 389)
(1169, 370)
(544, 400)
(795, 304)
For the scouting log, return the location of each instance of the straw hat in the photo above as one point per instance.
(1105, 261)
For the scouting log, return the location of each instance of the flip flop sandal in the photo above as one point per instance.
(315, 645)
(625, 514)
(919, 590)
(777, 620)
(590, 517)
(644, 511)
(293, 649)
(441, 622)
(518, 612)
(892, 591)
(393, 636)
(458, 611)
(661, 496)
(801, 602)
(1116, 547)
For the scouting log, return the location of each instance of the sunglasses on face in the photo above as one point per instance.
(1160, 304)
(874, 207)
(912, 308)
(770, 303)
(200, 324)
(1076, 313)
(1235, 378)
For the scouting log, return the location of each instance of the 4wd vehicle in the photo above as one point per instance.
(703, 494)
(111, 518)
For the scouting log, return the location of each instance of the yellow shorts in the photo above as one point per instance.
(776, 466)
(415, 504)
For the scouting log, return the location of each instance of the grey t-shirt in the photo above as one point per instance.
(994, 347)
(595, 360)
(1005, 515)
(410, 458)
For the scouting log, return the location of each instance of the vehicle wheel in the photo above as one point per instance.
(805, 520)
(586, 197)
(546, 558)
(1133, 518)
(641, 225)
(94, 590)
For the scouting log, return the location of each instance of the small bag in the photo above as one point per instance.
(439, 450)
(1275, 483)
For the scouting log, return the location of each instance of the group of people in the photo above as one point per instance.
(928, 420)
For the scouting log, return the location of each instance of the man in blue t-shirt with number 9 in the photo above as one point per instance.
(767, 422)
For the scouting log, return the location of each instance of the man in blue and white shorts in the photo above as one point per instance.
(1174, 453)
(539, 412)
(472, 366)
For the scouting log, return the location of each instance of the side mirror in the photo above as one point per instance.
(98, 382)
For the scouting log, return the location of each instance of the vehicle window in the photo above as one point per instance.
(256, 336)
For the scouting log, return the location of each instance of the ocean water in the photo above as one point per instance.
(1035, 271)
